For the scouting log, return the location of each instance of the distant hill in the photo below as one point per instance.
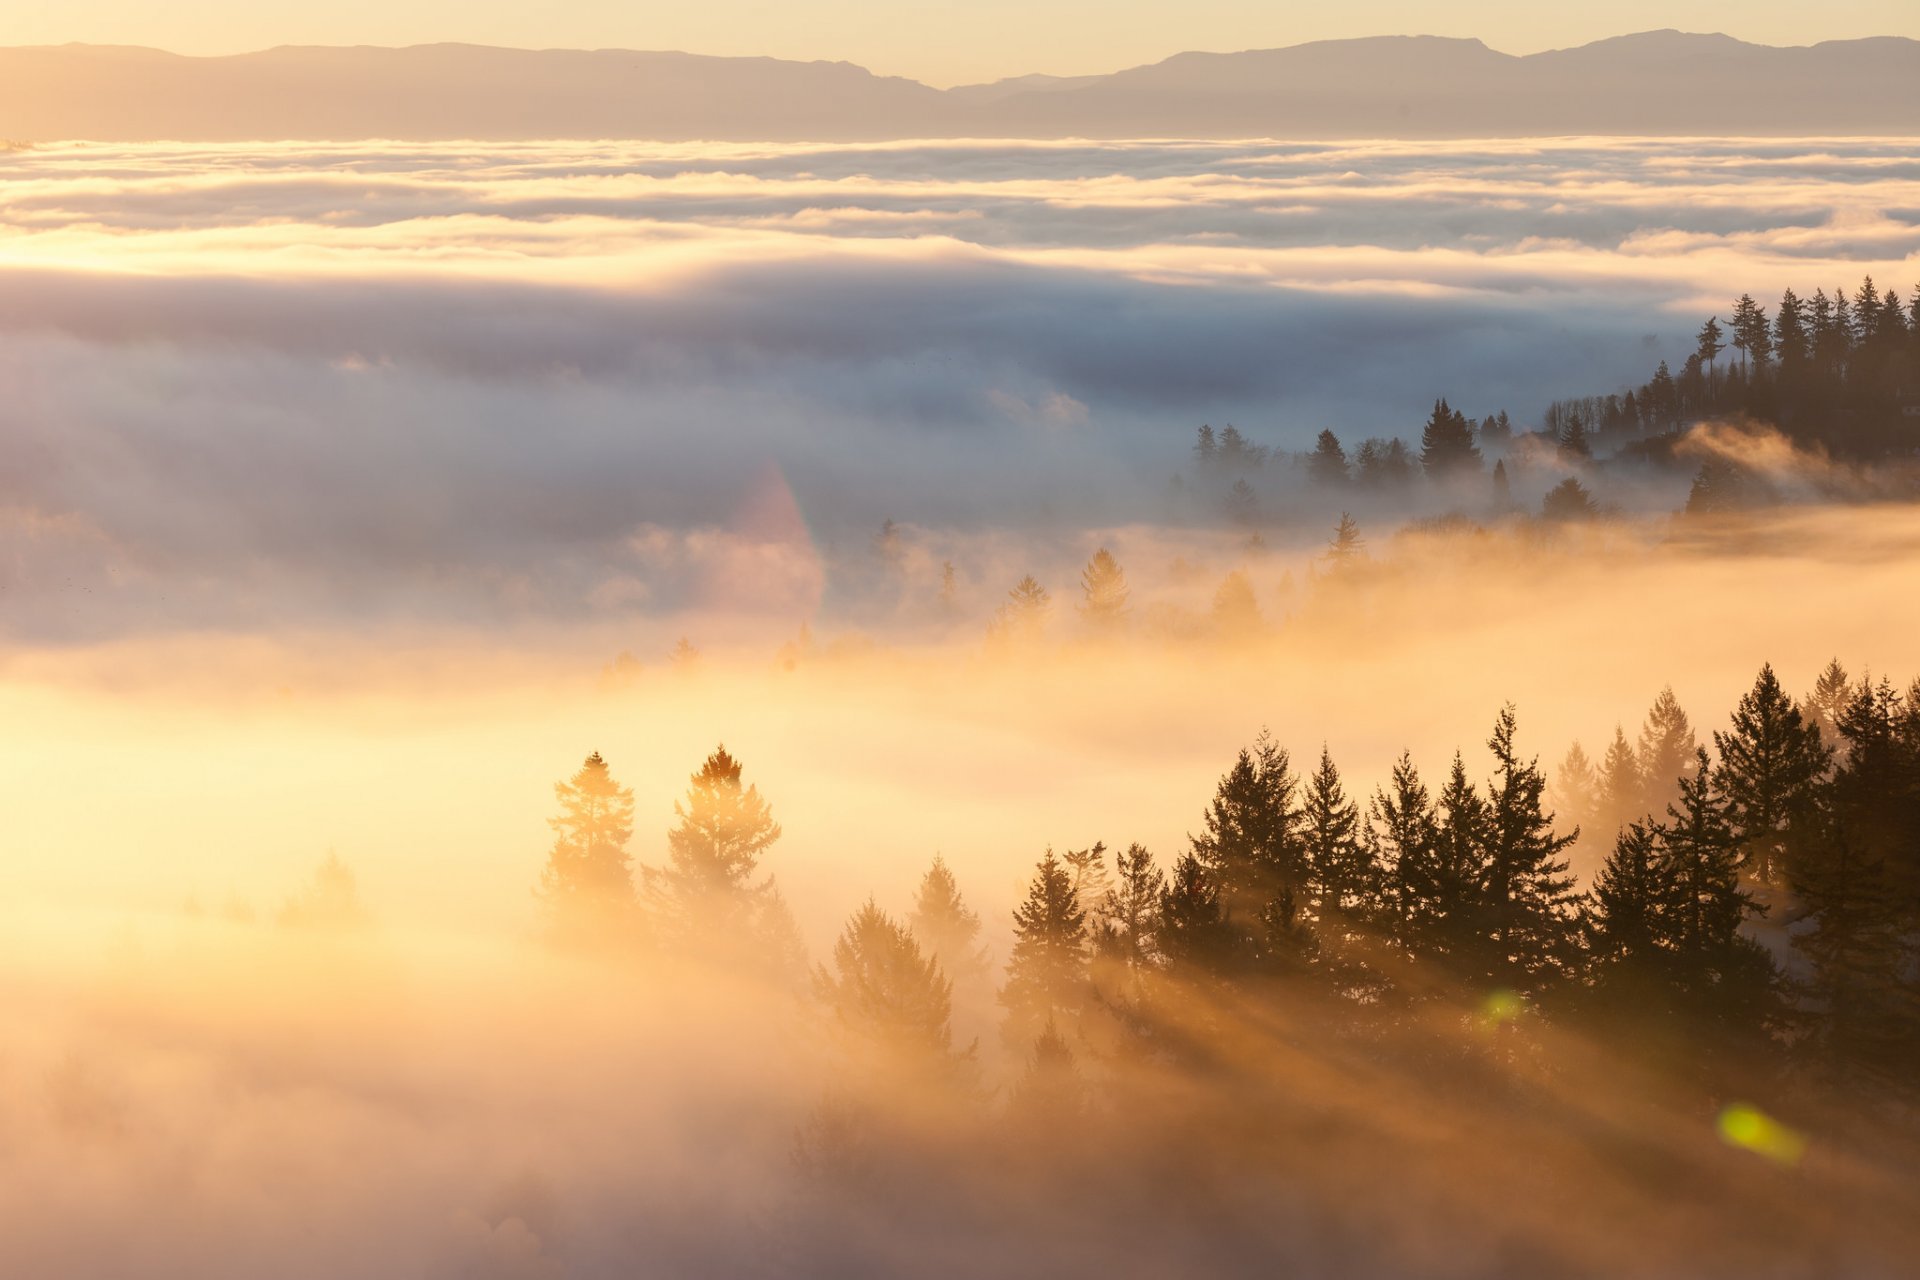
(1662, 82)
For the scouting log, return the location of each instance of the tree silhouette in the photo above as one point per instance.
(1047, 970)
(1023, 617)
(1530, 894)
(1194, 934)
(886, 994)
(1104, 592)
(1236, 613)
(1719, 975)
(1567, 502)
(1622, 789)
(1576, 787)
(1771, 763)
(708, 897)
(946, 926)
(1346, 546)
(1251, 845)
(1707, 346)
(1129, 915)
(1446, 444)
(587, 884)
(1667, 747)
(1327, 464)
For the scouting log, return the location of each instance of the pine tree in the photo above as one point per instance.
(587, 885)
(1087, 869)
(1708, 348)
(1236, 613)
(1438, 868)
(1343, 884)
(1627, 929)
(1621, 786)
(886, 994)
(1194, 934)
(1346, 546)
(1023, 617)
(1530, 895)
(1327, 464)
(707, 897)
(1130, 914)
(1568, 502)
(1502, 489)
(1575, 445)
(1047, 970)
(1831, 693)
(1576, 788)
(1251, 847)
(946, 926)
(1751, 334)
(1103, 588)
(1719, 976)
(1770, 766)
(1667, 747)
(1790, 337)
(1446, 444)
(1206, 450)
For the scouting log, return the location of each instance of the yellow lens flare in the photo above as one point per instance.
(1743, 1125)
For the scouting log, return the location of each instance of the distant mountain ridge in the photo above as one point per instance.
(1661, 82)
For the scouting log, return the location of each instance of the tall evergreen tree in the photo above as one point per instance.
(1530, 894)
(709, 897)
(1344, 885)
(1346, 547)
(1104, 592)
(1193, 931)
(1831, 693)
(587, 884)
(1022, 618)
(1251, 846)
(1576, 788)
(1771, 763)
(1719, 975)
(887, 994)
(1327, 464)
(1047, 970)
(946, 926)
(1087, 869)
(1446, 444)
(1627, 928)
(1622, 789)
(1667, 747)
(1130, 914)
(1708, 348)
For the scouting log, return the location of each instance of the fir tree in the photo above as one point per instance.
(1103, 588)
(1771, 763)
(1236, 613)
(1627, 929)
(1622, 788)
(1446, 443)
(1719, 975)
(1530, 895)
(1831, 693)
(886, 994)
(587, 885)
(1502, 489)
(1342, 880)
(1576, 787)
(1346, 546)
(1251, 846)
(1708, 348)
(1130, 914)
(1023, 617)
(1047, 970)
(709, 897)
(1194, 934)
(946, 926)
(1568, 502)
(1667, 747)
(1087, 869)
(1327, 464)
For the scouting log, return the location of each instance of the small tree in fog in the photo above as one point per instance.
(1667, 747)
(946, 926)
(1236, 613)
(1576, 787)
(330, 903)
(1104, 592)
(1621, 787)
(587, 885)
(1023, 616)
(886, 993)
(1346, 547)
(1130, 913)
(1568, 502)
(709, 895)
(1327, 464)
(1047, 970)
(1087, 869)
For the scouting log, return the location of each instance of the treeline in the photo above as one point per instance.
(1835, 370)
(1455, 895)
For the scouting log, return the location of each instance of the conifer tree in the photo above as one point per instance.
(1719, 975)
(1576, 788)
(1194, 933)
(1236, 612)
(1576, 446)
(1439, 869)
(1342, 881)
(1628, 926)
(1771, 763)
(1568, 502)
(1327, 464)
(1346, 547)
(1530, 894)
(1087, 869)
(946, 926)
(1130, 914)
(1831, 693)
(1251, 846)
(1104, 592)
(1708, 348)
(1446, 444)
(886, 994)
(1502, 489)
(1022, 618)
(709, 897)
(1047, 970)
(1667, 747)
(587, 884)
(1622, 789)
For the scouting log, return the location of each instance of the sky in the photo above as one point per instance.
(941, 42)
